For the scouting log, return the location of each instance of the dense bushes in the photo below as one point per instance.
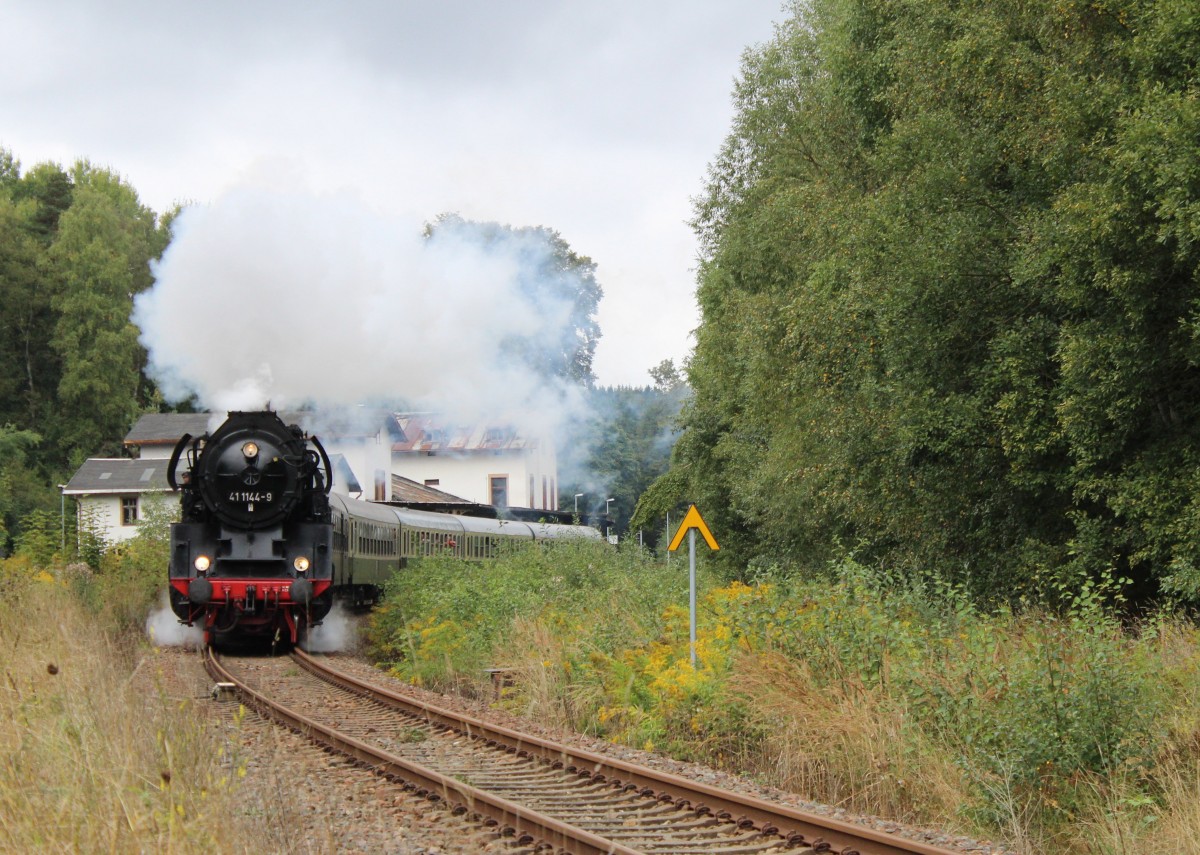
(446, 620)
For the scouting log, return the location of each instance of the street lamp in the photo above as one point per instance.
(607, 505)
(577, 495)
(62, 516)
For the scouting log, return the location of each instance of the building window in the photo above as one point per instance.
(531, 491)
(380, 485)
(433, 482)
(129, 513)
(499, 490)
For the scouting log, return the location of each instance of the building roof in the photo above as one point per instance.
(167, 428)
(425, 433)
(407, 491)
(118, 475)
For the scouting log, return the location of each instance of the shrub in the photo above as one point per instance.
(443, 620)
(884, 694)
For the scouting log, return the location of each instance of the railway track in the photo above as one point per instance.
(537, 792)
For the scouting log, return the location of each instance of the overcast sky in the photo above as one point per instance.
(597, 119)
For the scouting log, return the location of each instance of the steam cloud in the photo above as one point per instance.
(164, 629)
(337, 633)
(292, 299)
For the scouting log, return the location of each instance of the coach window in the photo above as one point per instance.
(499, 490)
(129, 514)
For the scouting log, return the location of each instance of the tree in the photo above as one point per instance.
(25, 321)
(948, 294)
(666, 376)
(50, 189)
(74, 249)
(622, 447)
(10, 171)
(99, 260)
(18, 485)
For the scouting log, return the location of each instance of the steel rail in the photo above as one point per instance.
(428, 783)
(793, 825)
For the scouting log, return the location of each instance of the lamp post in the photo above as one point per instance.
(577, 495)
(62, 516)
(607, 505)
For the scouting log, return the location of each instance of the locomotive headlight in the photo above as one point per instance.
(301, 564)
(250, 449)
(202, 563)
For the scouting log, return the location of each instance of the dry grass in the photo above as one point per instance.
(88, 761)
(535, 662)
(851, 748)
(844, 747)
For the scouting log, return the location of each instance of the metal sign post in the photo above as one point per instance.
(692, 593)
(691, 522)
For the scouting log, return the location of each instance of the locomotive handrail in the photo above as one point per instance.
(328, 465)
(183, 441)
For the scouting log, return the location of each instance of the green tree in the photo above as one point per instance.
(19, 489)
(624, 445)
(50, 189)
(24, 369)
(948, 294)
(99, 260)
(74, 249)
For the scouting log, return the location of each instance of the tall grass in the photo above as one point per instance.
(101, 751)
(1057, 729)
(89, 762)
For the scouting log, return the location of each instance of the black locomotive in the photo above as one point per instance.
(253, 551)
(263, 546)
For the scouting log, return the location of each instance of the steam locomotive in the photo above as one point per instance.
(263, 546)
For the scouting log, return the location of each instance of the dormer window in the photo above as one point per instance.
(497, 435)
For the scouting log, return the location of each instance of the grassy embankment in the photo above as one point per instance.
(93, 756)
(1061, 731)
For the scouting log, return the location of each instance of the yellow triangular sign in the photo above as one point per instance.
(693, 520)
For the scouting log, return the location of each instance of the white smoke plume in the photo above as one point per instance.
(337, 633)
(164, 629)
(294, 299)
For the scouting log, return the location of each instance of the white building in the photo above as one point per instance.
(482, 462)
(114, 494)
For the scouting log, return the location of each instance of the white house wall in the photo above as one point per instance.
(468, 475)
(101, 514)
(365, 457)
(156, 452)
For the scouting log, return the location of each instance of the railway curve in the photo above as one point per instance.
(537, 791)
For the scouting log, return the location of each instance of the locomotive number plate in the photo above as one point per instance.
(251, 497)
